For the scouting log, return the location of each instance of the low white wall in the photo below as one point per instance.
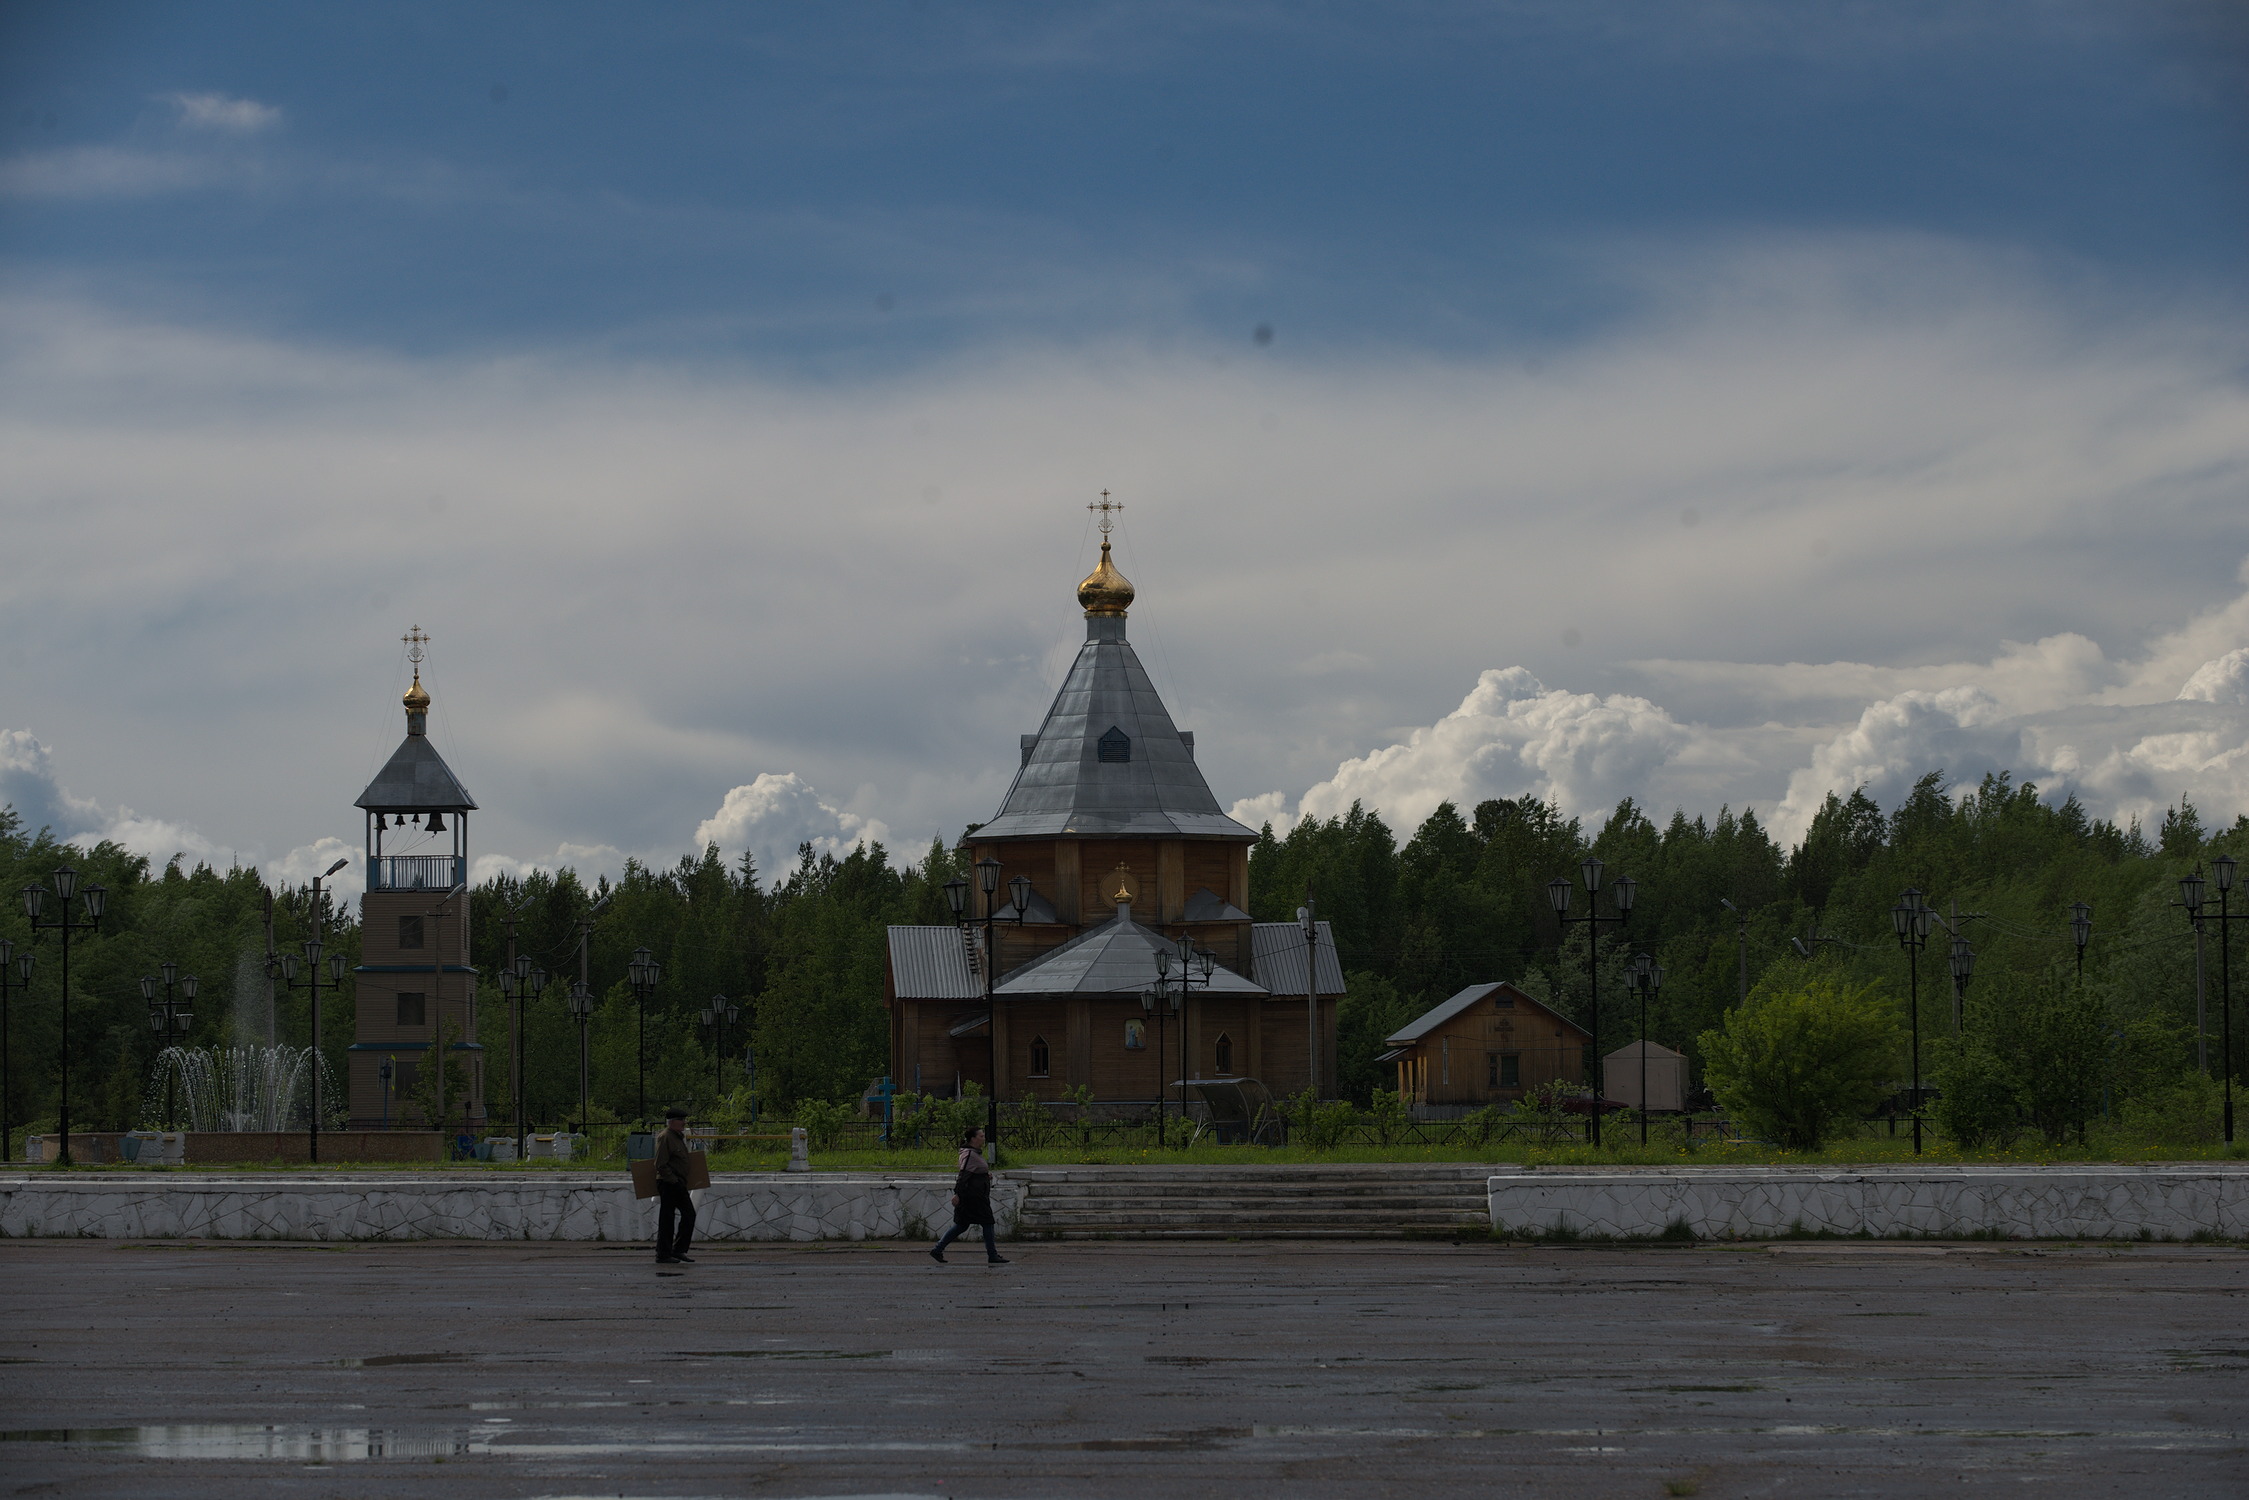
(2096, 1202)
(303, 1206)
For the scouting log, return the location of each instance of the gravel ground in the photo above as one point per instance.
(1113, 1368)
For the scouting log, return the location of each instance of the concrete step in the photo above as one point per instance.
(1181, 1202)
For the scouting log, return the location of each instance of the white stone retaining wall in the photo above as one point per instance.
(2094, 1202)
(302, 1206)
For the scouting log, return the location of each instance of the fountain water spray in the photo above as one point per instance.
(241, 1088)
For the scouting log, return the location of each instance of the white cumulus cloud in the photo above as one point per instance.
(775, 814)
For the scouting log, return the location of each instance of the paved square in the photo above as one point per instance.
(1827, 1368)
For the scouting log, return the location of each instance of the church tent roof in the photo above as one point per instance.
(1108, 762)
(415, 779)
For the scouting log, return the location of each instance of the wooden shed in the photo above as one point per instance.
(1489, 1044)
(1667, 1077)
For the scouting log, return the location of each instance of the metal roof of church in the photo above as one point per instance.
(1278, 949)
(1070, 783)
(1116, 958)
(416, 779)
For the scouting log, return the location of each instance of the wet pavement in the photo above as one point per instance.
(1094, 1369)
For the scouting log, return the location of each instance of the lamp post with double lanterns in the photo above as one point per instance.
(1646, 979)
(714, 1018)
(581, 1011)
(1911, 919)
(93, 901)
(1195, 966)
(15, 974)
(313, 985)
(2193, 897)
(956, 897)
(171, 1023)
(520, 983)
(1962, 960)
(1620, 896)
(643, 974)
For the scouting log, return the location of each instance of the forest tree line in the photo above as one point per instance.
(1460, 901)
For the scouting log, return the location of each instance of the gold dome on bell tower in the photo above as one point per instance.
(1105, 590)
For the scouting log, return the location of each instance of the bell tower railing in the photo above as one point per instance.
(416, 872)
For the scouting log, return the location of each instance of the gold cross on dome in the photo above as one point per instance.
(1106, 506)
(415, 641)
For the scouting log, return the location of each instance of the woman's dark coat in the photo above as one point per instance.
(973, 1187)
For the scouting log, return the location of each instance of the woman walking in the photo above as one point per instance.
(972, 1200)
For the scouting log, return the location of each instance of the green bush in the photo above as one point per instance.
(1796, 1061)
(2186, 1112)
(1315, 1125)
(824, 1120)
(1979, 1102)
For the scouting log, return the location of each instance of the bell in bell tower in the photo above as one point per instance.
(416, 988)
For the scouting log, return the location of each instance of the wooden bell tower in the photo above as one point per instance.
(415, 984)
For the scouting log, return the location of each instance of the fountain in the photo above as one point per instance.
(248, 1088)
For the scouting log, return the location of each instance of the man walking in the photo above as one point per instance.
(671, 1192)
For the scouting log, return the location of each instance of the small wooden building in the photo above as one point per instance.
(1666, 1071)
(1489, 1044)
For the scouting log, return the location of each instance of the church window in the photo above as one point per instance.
(1504, 1002)
(409, 932)
(410, 1010)
(403, 1076)
(1114, 747)
(1042, 1060)
(1510, 1070)
(1223, 1055)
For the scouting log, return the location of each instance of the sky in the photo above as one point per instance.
(1715, 404)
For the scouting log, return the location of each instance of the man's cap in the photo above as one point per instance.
(675, 1114)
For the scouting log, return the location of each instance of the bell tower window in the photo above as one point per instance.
(1113, 748)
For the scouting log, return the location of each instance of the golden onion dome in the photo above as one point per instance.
(1105, 590)
(417, 696)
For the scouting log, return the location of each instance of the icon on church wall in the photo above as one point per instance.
(1136, 1036)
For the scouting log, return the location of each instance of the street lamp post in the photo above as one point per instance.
(1963, 962)
(313, 985)
(642, 974)
(383, 1073)
(521, 982)
(581, 1007)
(1620, 896)
(1307, 923)
(956, 896)
(15, 974)
(715, 1017)
(92, 900)
(1195, 966)
(2223, 868)
(1646, 977)
(1741, 935)
(1911, 919)
(2080, 932)
(581, 1010)
(171, 1023)
(2190, 896)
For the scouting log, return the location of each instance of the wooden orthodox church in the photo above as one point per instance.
(1110, 851)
